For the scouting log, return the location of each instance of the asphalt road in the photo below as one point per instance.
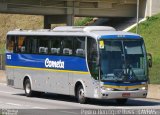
(14, 99)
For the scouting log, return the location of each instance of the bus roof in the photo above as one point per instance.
(104, 32)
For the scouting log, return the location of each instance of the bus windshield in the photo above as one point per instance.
(123, 61)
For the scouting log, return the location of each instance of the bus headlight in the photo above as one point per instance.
(107, 89)
(144, 88)
(103, 88)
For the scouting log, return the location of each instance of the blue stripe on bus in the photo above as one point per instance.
(38, 61)
(120, 36)
(122, 84)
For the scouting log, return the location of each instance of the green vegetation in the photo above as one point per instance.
(150, 30)
(82, 21)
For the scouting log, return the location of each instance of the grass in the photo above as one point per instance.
(150, 30)
(82, 21)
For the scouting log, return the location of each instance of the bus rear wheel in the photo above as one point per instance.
(81, 95)
(27, 88)
(121, 101)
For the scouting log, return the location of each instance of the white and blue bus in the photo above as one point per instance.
(86, 62)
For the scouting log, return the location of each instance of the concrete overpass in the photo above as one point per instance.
(63, 11)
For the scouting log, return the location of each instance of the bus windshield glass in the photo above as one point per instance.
(123, 61)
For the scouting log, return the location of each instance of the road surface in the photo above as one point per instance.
(15, 99)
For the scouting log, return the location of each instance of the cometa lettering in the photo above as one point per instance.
(54, 64)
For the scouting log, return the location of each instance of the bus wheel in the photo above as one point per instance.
(121, 101)
(80, 95)
(27, 88)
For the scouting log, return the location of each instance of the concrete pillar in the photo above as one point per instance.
(46, 23)
(70, 11)
(70, 20)
(142, 8)
(67, 19)
(155, 7)
(56, 19)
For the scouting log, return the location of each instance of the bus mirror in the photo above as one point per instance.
(149, 57)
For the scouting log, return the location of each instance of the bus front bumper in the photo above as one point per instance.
(123, 94)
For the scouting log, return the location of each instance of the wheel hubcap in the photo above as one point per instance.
(81, 93)
(28, 88)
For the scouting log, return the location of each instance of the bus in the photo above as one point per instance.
(85, 62)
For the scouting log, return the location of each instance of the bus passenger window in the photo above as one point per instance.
(32, 45)
(10, 44)
(79, 46)
(55, 46)
(92, 56)
(21, 44)
(43, 44)
(67, 46)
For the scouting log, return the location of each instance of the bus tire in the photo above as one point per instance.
(81, 95)
(121, 101)
(27, 88)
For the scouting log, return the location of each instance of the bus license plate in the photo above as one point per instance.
(125, 94)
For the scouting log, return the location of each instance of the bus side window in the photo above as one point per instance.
(32, 45)
(43, 44)
(21, 48)
(55, 44)
(10, 44)
(67, 46)
(79, 46)
(92, 56)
